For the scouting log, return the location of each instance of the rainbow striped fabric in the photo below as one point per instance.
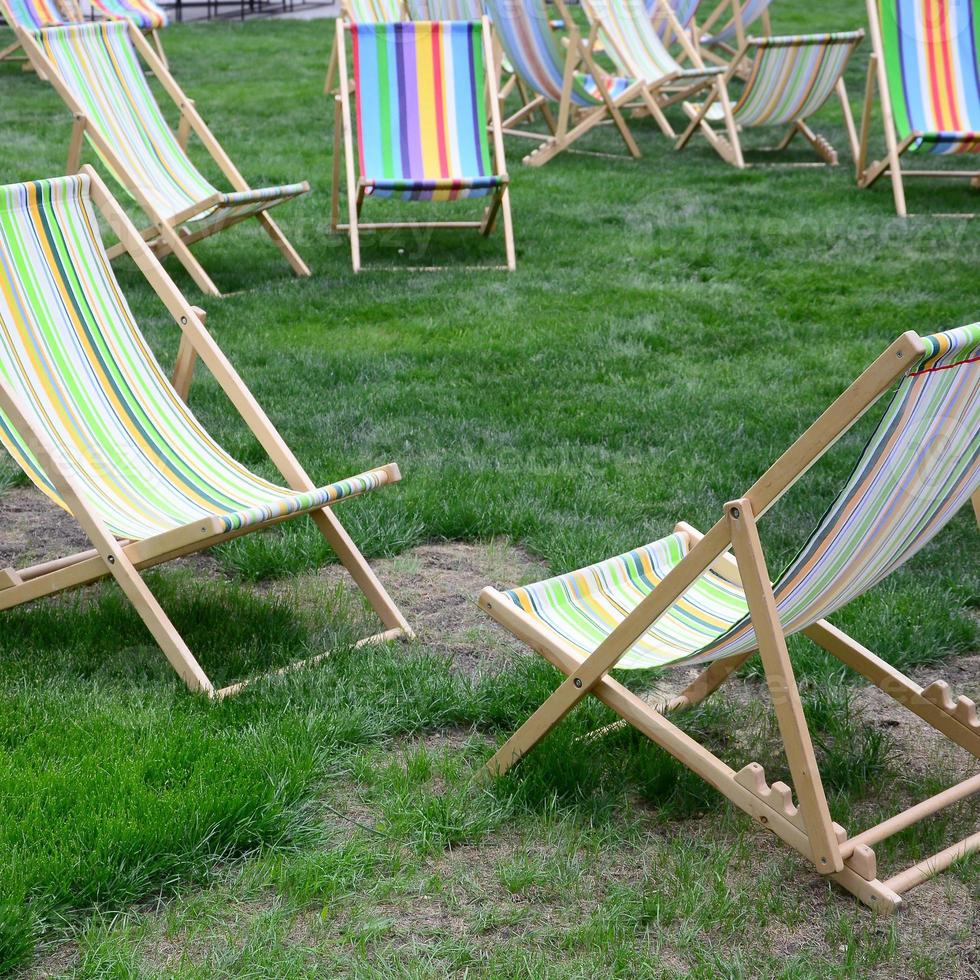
(920, 467)
(791, 77)
(145, 14)
(421, 110)
(932, 63)
(636, 49)
(752, 10)
(537, 55)
(98, 64)
(32, 14)
(73, 356)
(372, 11)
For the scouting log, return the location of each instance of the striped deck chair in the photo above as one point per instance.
(684, 12)
(32, 15)
(147, 15)
(721, 44)
(926, 68)
(421, 92)
(790, 78)
(367, 12)
(549, 73)
(627, 35)
(89, 414)
(685, 600)
(96, 70)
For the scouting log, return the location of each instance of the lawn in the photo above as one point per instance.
(672, 325)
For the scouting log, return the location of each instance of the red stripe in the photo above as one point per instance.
(944, 367)
(357, 94)
(439, 98)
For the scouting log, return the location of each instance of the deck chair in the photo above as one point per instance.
(31, 15)
(91, 417)
(926, 69)
(147, 15)
(550, 74)
(720, 45)
(628, 38)
(365, 12)
(421, 92)
(789, 79)
(34, 15)
(96, 70)
(684, 600)
(666, 27)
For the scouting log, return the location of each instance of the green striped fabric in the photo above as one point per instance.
(921, 466)
(72, 354)
(99, 65)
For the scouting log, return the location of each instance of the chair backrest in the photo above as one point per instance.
(74, 359)
(629, 38)
(684, 11)
(145, 14)
(931, 53)
(750, 12)
(920, 467)
(532, 47)
(421, 101)
(99, 66)
(792, 77)
(33, 14)
(372, 11)
(445, 9)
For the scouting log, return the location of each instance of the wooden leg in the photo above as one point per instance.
(509, 240)
(331, 69)
(800, 756)
(861, 157)
(299, 267)
(976, 506)
(158, 44)
(75, 145)
(186, 359)
(821, 147)
(360, 571)
(337, 150)
(707, 682)
(173, 242)
(845, 105)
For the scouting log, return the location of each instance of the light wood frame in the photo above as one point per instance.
(570, 123)
(735, 8)
(729, 146)
(356, 189)
(123, 560)
(869, 173)
(164, 233)
(663, 93)
(807, 825)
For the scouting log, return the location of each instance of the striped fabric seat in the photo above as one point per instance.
(920, 467)
(100, 67)
(372, 11)
(421, 110)
(932, 64)
(628, 36)
(752, 10)
(684, 11)
(147, 15)
(791, 77)
(445, 9)
(71, 350)
(537, 55)
(33, 14)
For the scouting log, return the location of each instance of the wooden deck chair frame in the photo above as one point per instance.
(730, 149)
(123, 560)
(808, 826)
(569, 125)
(9, 53)
(163, 234)
(868, 174)
(356, 190)
(663, 93)
(735, 9)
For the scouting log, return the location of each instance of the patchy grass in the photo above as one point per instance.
(672, 325)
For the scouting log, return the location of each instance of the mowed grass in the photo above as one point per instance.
(671, 327)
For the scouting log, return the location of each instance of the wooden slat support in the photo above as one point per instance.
(930, 867)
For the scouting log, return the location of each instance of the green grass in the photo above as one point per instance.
(671, 327)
